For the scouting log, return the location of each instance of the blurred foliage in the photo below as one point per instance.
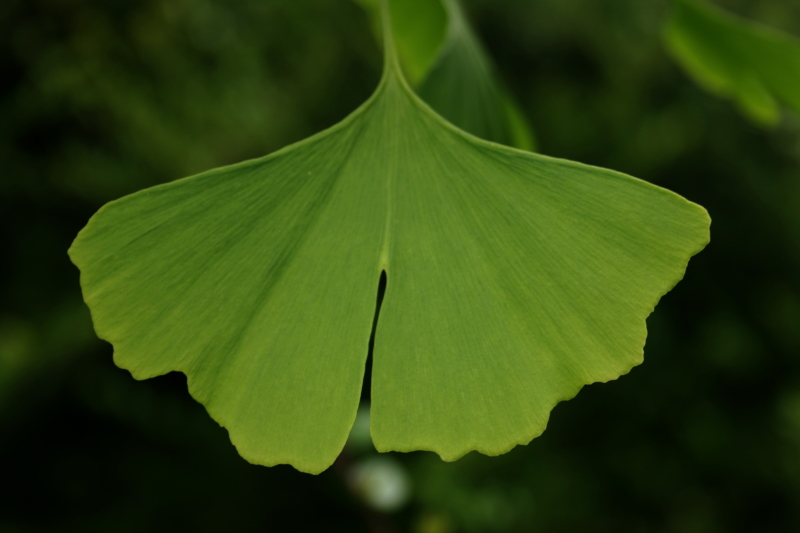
(419, 27)
(447, 64)
(100, 98)
(463, 87)
(752, 64)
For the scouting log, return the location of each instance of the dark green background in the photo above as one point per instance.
(101, 98)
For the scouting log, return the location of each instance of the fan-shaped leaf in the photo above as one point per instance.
(513, 280)
(752, 64)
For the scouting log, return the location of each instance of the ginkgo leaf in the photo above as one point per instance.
(419, 30)
(752, 64)
(513, 280)
(463, 87)
(445, 60)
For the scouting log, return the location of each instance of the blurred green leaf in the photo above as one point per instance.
(419, 31)
(463, 87)
(445, 61)
(753, 65)
(513, 280)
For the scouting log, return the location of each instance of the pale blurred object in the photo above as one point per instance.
(381, 482)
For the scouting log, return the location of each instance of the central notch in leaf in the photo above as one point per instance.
(516, 279)
(365, 390)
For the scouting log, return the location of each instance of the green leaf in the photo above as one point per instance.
(463, 87)
(419, 29)
(441, 55)
(734, 58)
(513, 280)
